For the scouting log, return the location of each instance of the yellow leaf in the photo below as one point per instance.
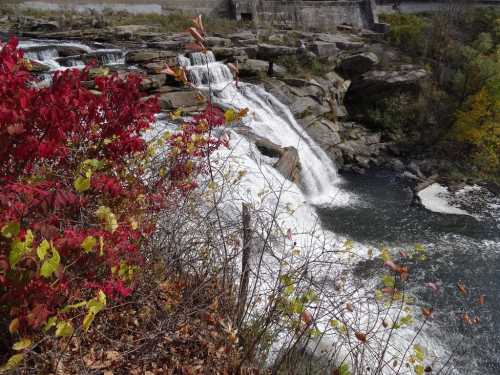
(13, 362)
(64, 329)
(22, 344)
(109, 219)
(88, 244)
(10, 230)
(51, 265)
(176, 114)
(42, 249)
(81, 184)
(230, 115)
(101, 246)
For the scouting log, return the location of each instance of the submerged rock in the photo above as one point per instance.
(289, 164)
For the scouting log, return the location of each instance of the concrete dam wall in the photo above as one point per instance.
(296, 13)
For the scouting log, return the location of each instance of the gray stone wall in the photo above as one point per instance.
(309, 13)
(295, 13)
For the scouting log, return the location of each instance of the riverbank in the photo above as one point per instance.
(353, 64)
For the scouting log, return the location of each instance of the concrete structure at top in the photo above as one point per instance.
(319, 14)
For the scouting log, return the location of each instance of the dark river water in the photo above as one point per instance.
(461, 249)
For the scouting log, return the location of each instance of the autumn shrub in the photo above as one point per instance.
(407, 32)
(78, 200)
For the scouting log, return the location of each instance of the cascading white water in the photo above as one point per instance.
(46, 53)
(42, 54)
(112, 57)
(268, 118)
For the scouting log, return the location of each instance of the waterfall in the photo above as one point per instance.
(112, 57)
(268, 118)
(42, 54)
(46, 52)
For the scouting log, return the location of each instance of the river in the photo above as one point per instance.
(461, 248)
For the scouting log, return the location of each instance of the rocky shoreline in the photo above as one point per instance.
(351, 71)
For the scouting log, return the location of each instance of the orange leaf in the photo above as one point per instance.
(426, 312)
(481, 299)
(361, 336)
(306, 317)
(467, 319)
(461, 289)
(196, 35)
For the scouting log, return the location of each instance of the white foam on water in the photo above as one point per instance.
(435, 198)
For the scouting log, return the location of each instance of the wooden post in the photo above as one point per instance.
(245, 258)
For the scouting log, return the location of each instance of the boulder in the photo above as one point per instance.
(147, 56)
(169, 45)
(324, 49)
(243, 38)
(189, 100)
(254, 68)
(69, 50)
(323, 133)
(38, 67)
(214, 41)
(153, 82)
(230, 54)
(45, 26)
(342, 41)
(289, 164)
(373, 138)
(271, 51)
(358, 64)
(377, 84)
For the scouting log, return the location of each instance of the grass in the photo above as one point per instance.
(302, 69)
(173, 22)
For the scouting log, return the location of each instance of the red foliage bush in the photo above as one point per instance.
(75, 206)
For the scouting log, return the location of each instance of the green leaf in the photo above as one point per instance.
(297, 306)
(64, 329)
(386, 255)
(88, 244)
(13, 362)
(93, 164)
(419, 352)
(17, 250)
(388, 281)
(10, 230)
(50, 323)
(73, 306)
(51, 265)
(95, 306)
(87, 321)
(22, 344)
(344, 370)
(406, 320)
(419, 370)
(42, 249)
(82, 184)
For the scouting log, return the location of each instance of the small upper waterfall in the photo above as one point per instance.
(47, 53)
(268, 118)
